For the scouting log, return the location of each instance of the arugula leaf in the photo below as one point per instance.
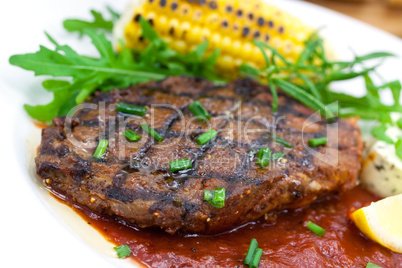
(398, 148)
(399, 123)
(102, 45)
(54, 85)
(385, 118)
(115, 15)
(380, 133)
(110, 70)
(147, 31)
(75, 25)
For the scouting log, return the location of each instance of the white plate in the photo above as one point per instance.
(33, 233)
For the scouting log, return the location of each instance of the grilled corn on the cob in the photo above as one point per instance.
(228, 25)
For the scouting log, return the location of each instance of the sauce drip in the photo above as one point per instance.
(286, 242)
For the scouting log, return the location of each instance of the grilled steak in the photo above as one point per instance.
(133, 180)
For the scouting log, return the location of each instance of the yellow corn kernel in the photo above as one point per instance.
(228, 25)
(193, 36)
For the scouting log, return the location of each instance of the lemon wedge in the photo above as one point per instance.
(381, 222)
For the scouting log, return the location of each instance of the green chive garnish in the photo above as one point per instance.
(131, 108)
(251, 251)
(219, 197)
(131, 135)
(180, 165)
(151, 132)
(206, 137)
(253, 254)
(317, 142)
(283, 142)
(372, 265)
(199, 111)
(123, 251)
(276, 156)
(263, 157)
(315, 229)
(256, 259)
(208, 195)
(101, 149)
(216, 198)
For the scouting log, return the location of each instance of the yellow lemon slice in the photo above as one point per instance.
(382, 222)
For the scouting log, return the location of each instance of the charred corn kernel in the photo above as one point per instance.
(173, 28)
(228, 25)
(184, 28)
(197, 14)
(184, 8)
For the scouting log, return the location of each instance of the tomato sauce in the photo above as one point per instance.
(286, 242)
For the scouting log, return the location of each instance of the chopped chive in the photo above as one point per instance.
(199, 111)
(131, 108)
(131, 135)
(276, 156)
(372, 265)
(208, 195)
(280, 140)
(256, 258)
(180, 165)
(216, 198)
(151, 132)
(219, 197)
(316, 229)
(123, 251)
(251, 251)
(263, 157)
(101, 149)
(317, 142)
(206, 137)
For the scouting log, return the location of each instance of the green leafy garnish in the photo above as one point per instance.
(398, 148)
(399, 123)
(276, 156)
(309, 77)
(98, 23)
(215, 198)
(123, 251)
(380, 133)
(109, 70)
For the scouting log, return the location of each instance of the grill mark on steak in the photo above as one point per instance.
(149, 195)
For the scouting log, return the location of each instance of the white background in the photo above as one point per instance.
(31, 235)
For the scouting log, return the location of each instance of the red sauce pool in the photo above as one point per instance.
(286, 242)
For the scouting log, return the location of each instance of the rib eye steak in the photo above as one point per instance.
(133, 180)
